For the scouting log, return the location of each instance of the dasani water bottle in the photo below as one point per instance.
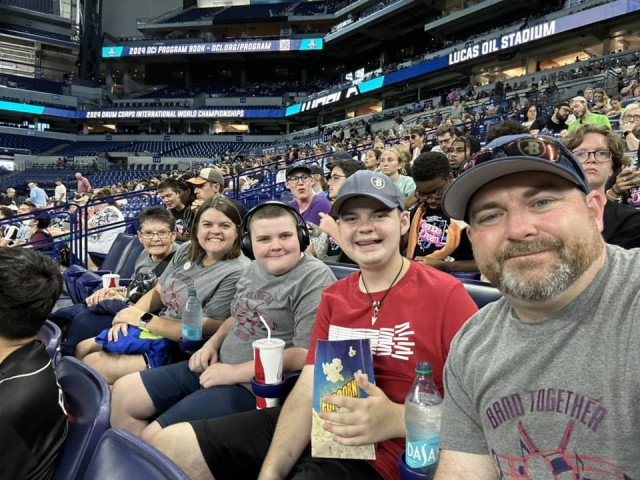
(192, 318)
(423, 408)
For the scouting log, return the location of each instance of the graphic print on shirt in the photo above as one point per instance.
(432, 234)
(104, 217)
(174, 294)
(247, 310)
(553, 456)
(398, 342)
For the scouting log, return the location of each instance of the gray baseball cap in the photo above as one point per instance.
(365, 183)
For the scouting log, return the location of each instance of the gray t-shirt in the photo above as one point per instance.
(557, 395)
(215, 285)
(288, 303)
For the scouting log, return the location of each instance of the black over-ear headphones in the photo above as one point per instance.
(301, 227)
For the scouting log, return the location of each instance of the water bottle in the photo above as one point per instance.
(423, 408)
(192, 318)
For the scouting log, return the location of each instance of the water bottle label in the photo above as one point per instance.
(422, 453)
(189, 333)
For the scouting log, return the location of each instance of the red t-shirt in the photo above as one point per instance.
(416, 322)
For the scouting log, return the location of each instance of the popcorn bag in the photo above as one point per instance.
(337, 362)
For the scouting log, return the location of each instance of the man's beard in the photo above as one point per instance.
(573, 260)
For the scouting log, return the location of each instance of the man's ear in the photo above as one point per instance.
(596, 201)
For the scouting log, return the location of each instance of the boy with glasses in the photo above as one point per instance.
(305, 201)
(601, 153)
(433, 239)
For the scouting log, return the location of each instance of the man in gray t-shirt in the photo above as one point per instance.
(283, 286)
(542, 383)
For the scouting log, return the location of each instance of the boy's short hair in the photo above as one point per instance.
(444, 129)
(349, 167)
(172, 184)
(31, 285)
(268, 212)
(157, 214)
(430, 165)
(417, 130)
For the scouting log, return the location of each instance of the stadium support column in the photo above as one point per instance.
(90, 39)
(109, 76)
(243, 78)
(303, 77)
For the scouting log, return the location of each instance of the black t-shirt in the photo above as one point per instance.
(621, 225)
(33, 422)
(184, 218)
(548, 126)
(432, 236)
(6, 201)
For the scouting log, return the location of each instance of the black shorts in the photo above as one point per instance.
(236, 445)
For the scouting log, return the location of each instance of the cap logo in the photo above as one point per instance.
(531, 147)
(378, 182)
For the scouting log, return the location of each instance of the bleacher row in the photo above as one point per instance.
(42, 6)
(41, 145)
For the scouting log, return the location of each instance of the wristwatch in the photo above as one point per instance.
(144, 319)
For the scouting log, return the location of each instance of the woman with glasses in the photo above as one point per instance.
(143, 334)
(433, 238)
(156, 233)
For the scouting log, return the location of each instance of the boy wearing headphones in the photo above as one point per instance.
(409, 311)
(283, 286)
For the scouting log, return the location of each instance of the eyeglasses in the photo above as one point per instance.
(534, 146)
(634, 118)
(335, 178)
(600, 156)
(301, 178)
(163, 234)
(435, 194)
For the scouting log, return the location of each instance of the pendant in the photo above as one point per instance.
(376, 309)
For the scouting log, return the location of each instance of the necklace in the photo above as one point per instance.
(377, 304)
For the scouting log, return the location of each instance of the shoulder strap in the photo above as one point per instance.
(160, 268)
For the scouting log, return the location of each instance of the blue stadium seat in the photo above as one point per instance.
(50, 336)
(120, 454)
(342, 270)
(482, 293)
(88, 403)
